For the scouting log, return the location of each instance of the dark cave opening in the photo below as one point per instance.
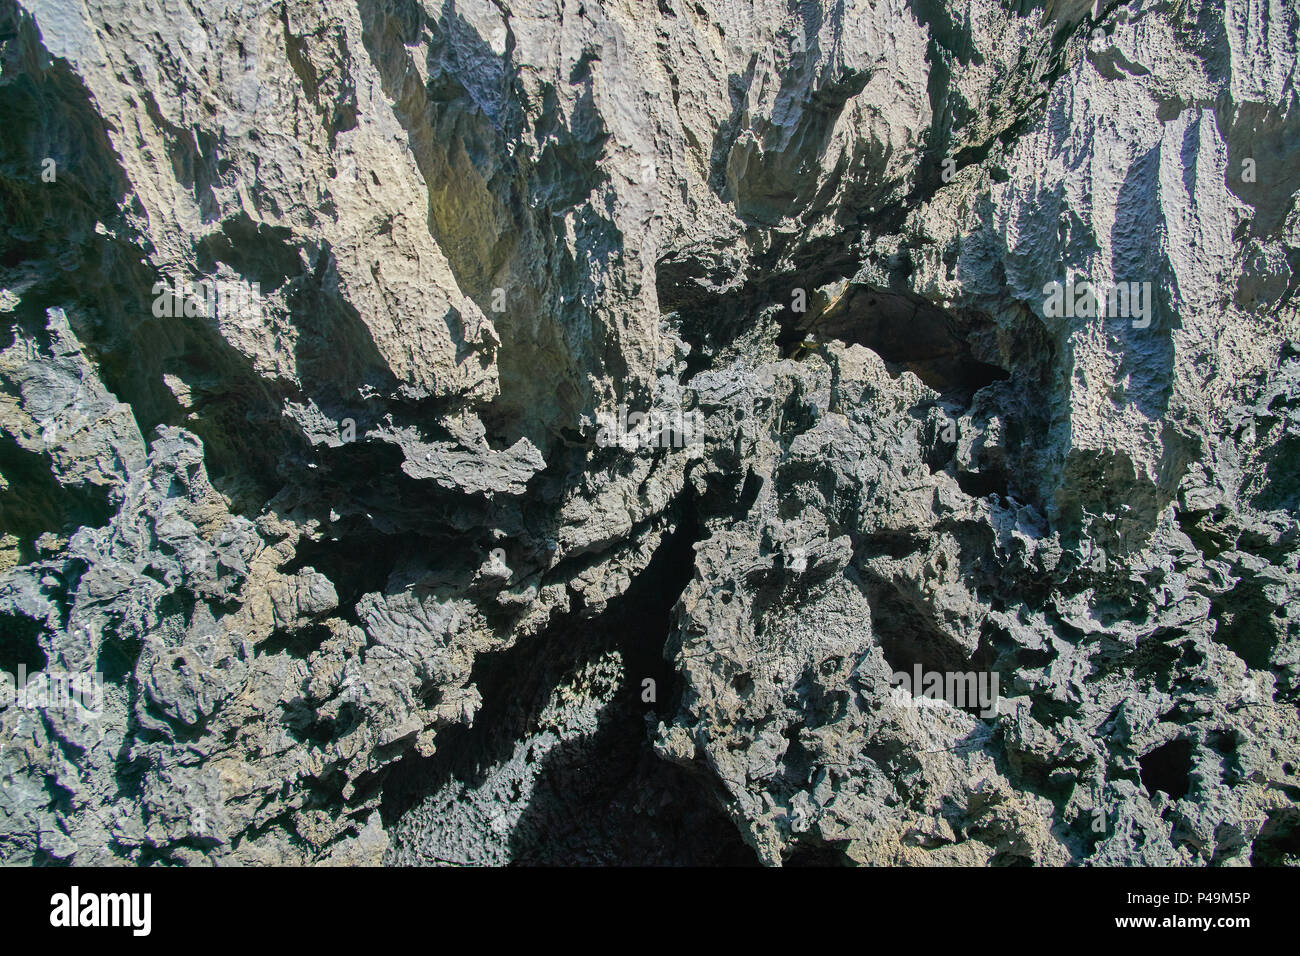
(19, 644)
(300, 643)
(906, 330)
(1168, 768)
(589, 805)
(1244, 620)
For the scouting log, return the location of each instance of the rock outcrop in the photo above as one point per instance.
(545, 432)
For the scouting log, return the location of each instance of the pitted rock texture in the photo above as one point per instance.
(365, 583)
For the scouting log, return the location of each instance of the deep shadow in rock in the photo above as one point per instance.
(604, 796)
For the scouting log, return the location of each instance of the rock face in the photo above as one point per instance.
(549, 432)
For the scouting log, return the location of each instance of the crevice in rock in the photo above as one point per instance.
(815, 852)
(906, 331)
(298, 643)
(907, 634)
(1246, 623)
(33, 502)
(1278, 843)
(588, 802)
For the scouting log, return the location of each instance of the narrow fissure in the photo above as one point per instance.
(599, 795)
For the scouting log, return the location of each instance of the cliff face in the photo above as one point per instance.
(340, 341)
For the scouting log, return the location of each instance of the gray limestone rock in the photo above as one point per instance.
(707, 432)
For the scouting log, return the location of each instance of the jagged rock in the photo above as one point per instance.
(326, 324)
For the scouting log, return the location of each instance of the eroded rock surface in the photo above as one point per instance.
(317, 318)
